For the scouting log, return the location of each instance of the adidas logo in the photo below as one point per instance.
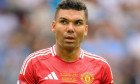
(52, 76)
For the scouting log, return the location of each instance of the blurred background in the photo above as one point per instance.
(114, 33)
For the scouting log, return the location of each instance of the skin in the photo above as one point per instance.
(70, 29)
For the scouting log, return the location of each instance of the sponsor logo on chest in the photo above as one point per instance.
(86, 78)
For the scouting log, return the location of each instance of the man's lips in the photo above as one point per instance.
(69, 38)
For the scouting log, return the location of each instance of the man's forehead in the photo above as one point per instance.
(71, 14)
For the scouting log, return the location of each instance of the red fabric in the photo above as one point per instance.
(45, 67)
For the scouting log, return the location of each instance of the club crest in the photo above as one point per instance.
(87, 78)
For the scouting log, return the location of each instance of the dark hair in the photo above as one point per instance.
(72, 4)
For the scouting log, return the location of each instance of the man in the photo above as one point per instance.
(66, 62)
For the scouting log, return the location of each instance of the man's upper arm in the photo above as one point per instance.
(107, 75)
(26, 75)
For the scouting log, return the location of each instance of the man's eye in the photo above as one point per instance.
(63, 22)
(78, 23)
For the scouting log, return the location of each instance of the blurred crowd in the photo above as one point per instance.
(114, 33)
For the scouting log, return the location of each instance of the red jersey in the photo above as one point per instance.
(45, 67)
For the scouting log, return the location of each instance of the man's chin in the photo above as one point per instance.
(70, 46)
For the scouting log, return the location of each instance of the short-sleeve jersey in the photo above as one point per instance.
(45, 67)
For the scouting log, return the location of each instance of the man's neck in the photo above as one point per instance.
(68, 55)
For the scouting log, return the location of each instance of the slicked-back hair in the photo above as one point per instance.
(72, 4)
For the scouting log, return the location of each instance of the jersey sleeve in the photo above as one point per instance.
(107, 75)
(26, 75)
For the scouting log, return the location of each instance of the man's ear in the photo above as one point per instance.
(53, 26)
(86, 30)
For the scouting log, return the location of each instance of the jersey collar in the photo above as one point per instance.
(54, 52)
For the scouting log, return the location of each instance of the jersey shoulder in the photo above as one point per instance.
(34, 57)
(94, 58)
(40, 55)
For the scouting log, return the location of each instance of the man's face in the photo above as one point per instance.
(70, 28)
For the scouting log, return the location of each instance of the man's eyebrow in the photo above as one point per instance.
(74, 20)
(63, 18)
(79, 20)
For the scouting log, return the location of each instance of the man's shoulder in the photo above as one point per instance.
(34, 57)
(42, 52)
(39, 55)
(94, 58)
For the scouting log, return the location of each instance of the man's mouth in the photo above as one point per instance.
(69, 38)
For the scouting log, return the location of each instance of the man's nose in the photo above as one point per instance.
(70, 28)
